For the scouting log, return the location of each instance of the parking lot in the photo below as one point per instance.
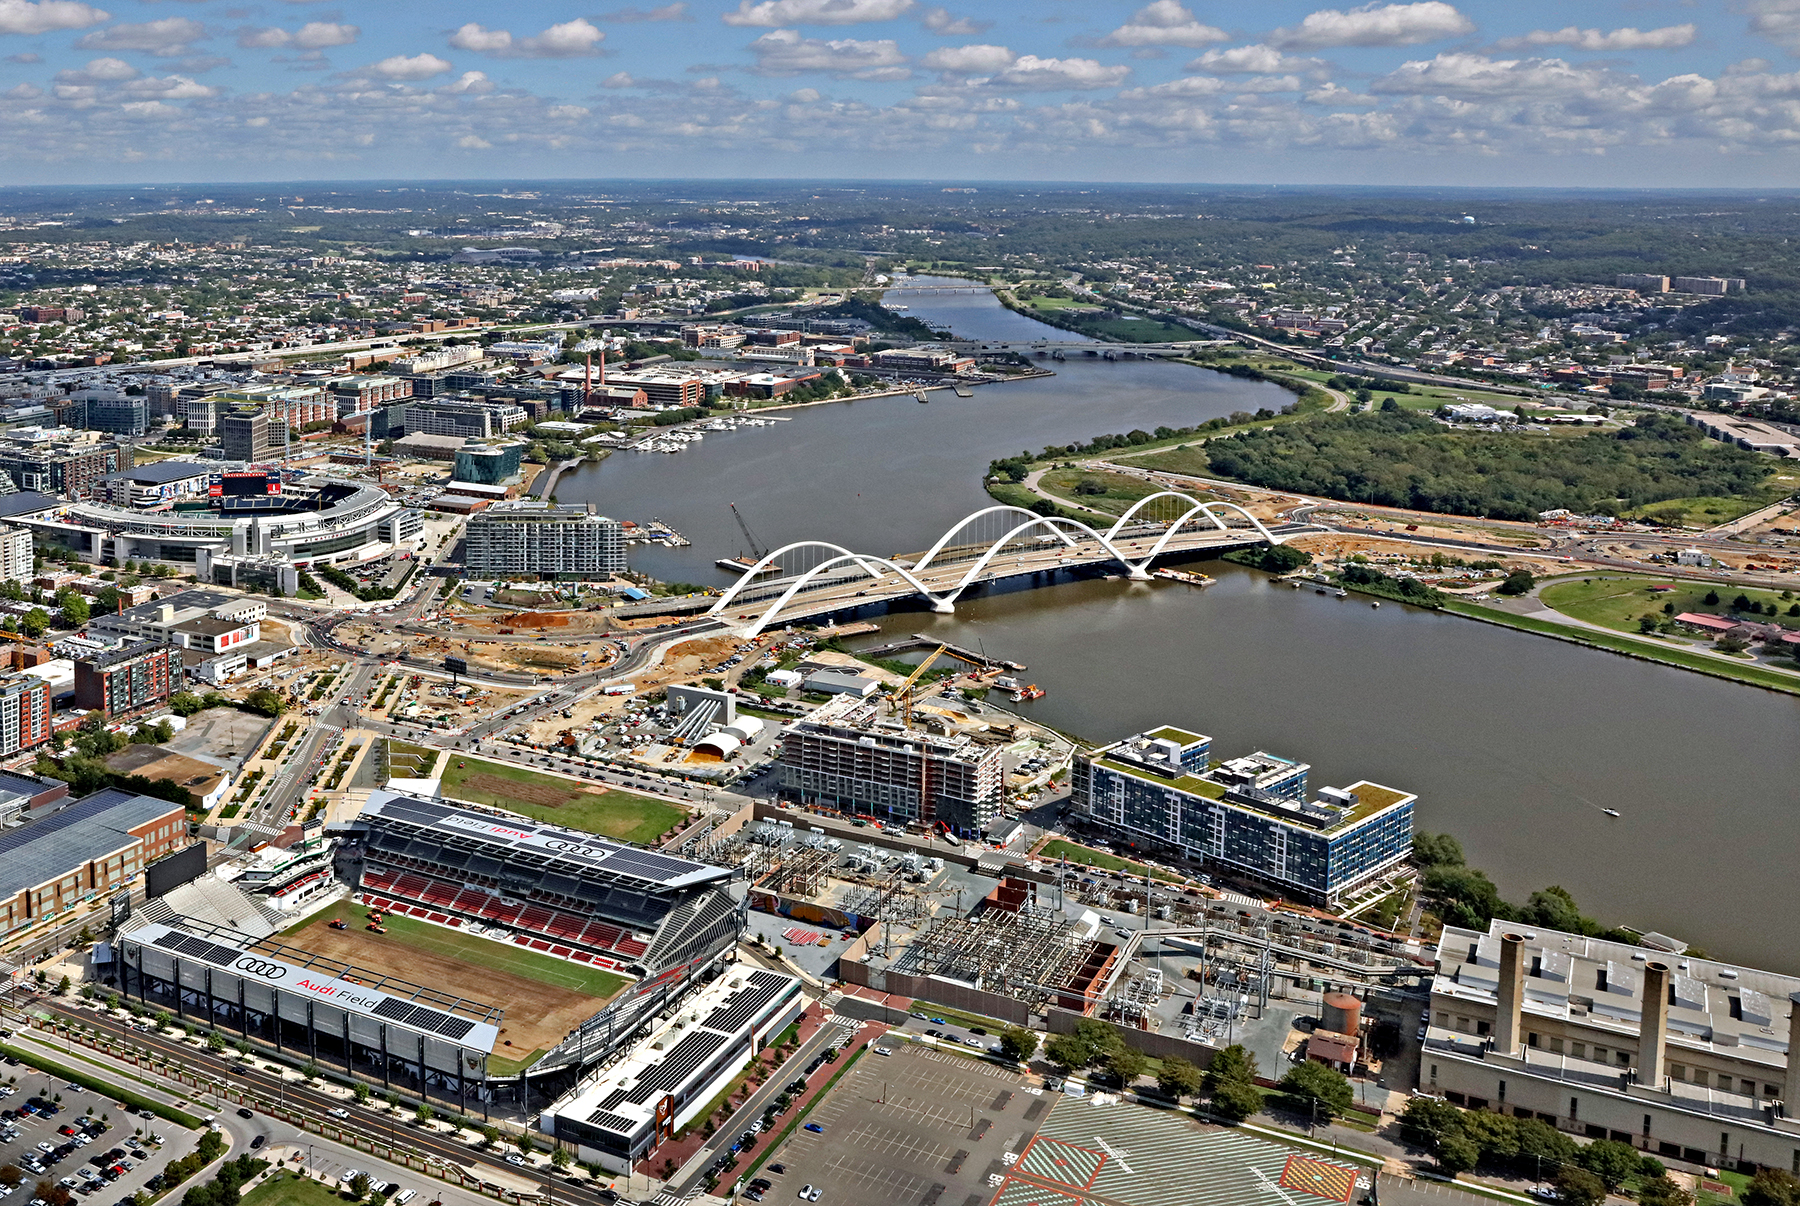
(918, 1126)
(35, 1143)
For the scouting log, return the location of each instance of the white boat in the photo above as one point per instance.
(1611, 812)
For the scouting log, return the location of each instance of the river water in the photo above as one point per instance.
(1513, 743)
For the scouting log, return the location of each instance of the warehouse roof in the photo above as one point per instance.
(89, 828)
(157, 473)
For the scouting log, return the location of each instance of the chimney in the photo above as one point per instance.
(1653, 1035)
(1790, 1092)
(1511, 996)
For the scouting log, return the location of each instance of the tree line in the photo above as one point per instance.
(1403, 459)
(1464, 896)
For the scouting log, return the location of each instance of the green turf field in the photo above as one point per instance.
(478, 952)
(285, 1189)
(1618, 602)
(614, 814)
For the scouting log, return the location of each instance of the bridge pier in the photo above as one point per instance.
(1138, 573)
(944, 607)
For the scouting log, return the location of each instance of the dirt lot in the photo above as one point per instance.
(538, 1014)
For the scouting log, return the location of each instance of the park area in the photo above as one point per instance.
(545, 997)
(559, 801)
(1620, 602)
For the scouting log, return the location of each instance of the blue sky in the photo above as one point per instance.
(1528, 92)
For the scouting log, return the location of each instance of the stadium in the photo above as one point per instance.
(577, 944)
(250, 512)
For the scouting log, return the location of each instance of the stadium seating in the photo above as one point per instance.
(537, 925)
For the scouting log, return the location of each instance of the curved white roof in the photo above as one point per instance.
(721, 743)
(744, 727)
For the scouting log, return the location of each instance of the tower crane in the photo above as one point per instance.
(756, 550)
(904, 696)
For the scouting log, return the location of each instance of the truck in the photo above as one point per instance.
(617, 689)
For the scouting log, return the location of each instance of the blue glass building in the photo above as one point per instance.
(1249, 816)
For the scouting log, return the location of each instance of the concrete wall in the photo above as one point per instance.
(1150, 1042)
(943, 992)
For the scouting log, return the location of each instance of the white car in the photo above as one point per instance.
(339, 1113)
(514, 1158)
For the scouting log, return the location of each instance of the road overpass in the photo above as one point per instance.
(812, 578)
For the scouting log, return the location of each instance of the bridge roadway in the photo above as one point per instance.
(1093, 347)
(948, 576)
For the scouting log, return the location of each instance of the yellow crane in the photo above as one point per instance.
(903, 698)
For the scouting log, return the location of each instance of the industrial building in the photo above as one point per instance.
(676, 1070)
(86, 851)
(1685, 1058)
(544, 539)
(1249, 816)
(866, 767)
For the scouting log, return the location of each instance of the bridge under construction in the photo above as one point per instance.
(813, 578)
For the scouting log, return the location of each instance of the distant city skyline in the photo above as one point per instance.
(1584, 93)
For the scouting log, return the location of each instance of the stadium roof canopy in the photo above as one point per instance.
(529, 841)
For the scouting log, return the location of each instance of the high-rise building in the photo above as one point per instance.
(487, 464)
(123, 415)
(1249, 815)
(892, 773)
(1642, 282)
(16, 562)
(56, 461)
(124, 680)
(527, 537)
(247, 435)
(24, 712)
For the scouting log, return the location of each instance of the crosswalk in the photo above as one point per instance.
(671, 1197)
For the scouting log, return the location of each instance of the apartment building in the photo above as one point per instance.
(890, 772)
(16, 561)
(135, 676)
(1249, 816)
(24, 712)
(525, 537)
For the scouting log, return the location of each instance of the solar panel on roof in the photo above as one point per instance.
(677, 1065)
(648, 866)
(615, 1098)
(612, 1122)
(393, 1009)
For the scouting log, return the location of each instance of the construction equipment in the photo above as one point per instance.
(756, 550)
(903, 698)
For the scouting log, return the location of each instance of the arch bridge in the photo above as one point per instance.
(815, 577)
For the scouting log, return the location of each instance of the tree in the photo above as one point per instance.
(265, 701)
(1712, 598)
(359, 1187)
(1457, 1153)
(1609, 1160)
(561, 1159)
(1127, 1063)
(490, 1135)
(1069, 1051)
(1308, 1083)
(52, 1194)
(33, 625)
(1018, 1044)
(74, 609)
(1234, 1064)
(184, 703)
(1772, 1187)
(1578, 1187)
(1426, 1120)
(1235, 1100)
(1517, 583)
(1178, 1078)
(1437, 850)
(11, 1175)
(310, 1072)
(361, 1093)
(1663, 1192)
(423, 1114)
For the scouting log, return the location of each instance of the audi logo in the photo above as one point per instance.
(260, 967)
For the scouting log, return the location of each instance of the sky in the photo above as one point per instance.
(1585, 93)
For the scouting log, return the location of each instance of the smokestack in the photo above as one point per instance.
(602, 366)
(1790, 1094)
(1511, 996)
(1653, 1036)
(587, 378)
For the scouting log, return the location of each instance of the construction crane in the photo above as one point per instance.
(756, 550)
(904, 696)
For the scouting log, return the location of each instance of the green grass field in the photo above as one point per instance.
(407, 761)
(283, 1188)
(614, 814)
(477, 952)
(1086, 856)
(1617, 602)
(1121, 489)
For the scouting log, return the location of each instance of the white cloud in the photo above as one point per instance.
(1778, 21)
(567, 112)
(1474, 75)
(166, 37)
(47, 16)
(970, 60)
(1164, 23)
(1032, 74)
(481, 40)
(668, 12)
(314, 35)
(474, 142)
(173, 87)
(619, 79)
(785, 52)
(1375, 25)
(469, 83)
(945, 24)
(149, 110)
(420, 66)
(1255, 59)
(816, 12)
(569, 40)
(98, 71)
(1332, 94)
(1669, 37)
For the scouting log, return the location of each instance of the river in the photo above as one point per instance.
(1513, 743)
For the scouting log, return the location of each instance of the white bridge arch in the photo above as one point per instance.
(1069, 531)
